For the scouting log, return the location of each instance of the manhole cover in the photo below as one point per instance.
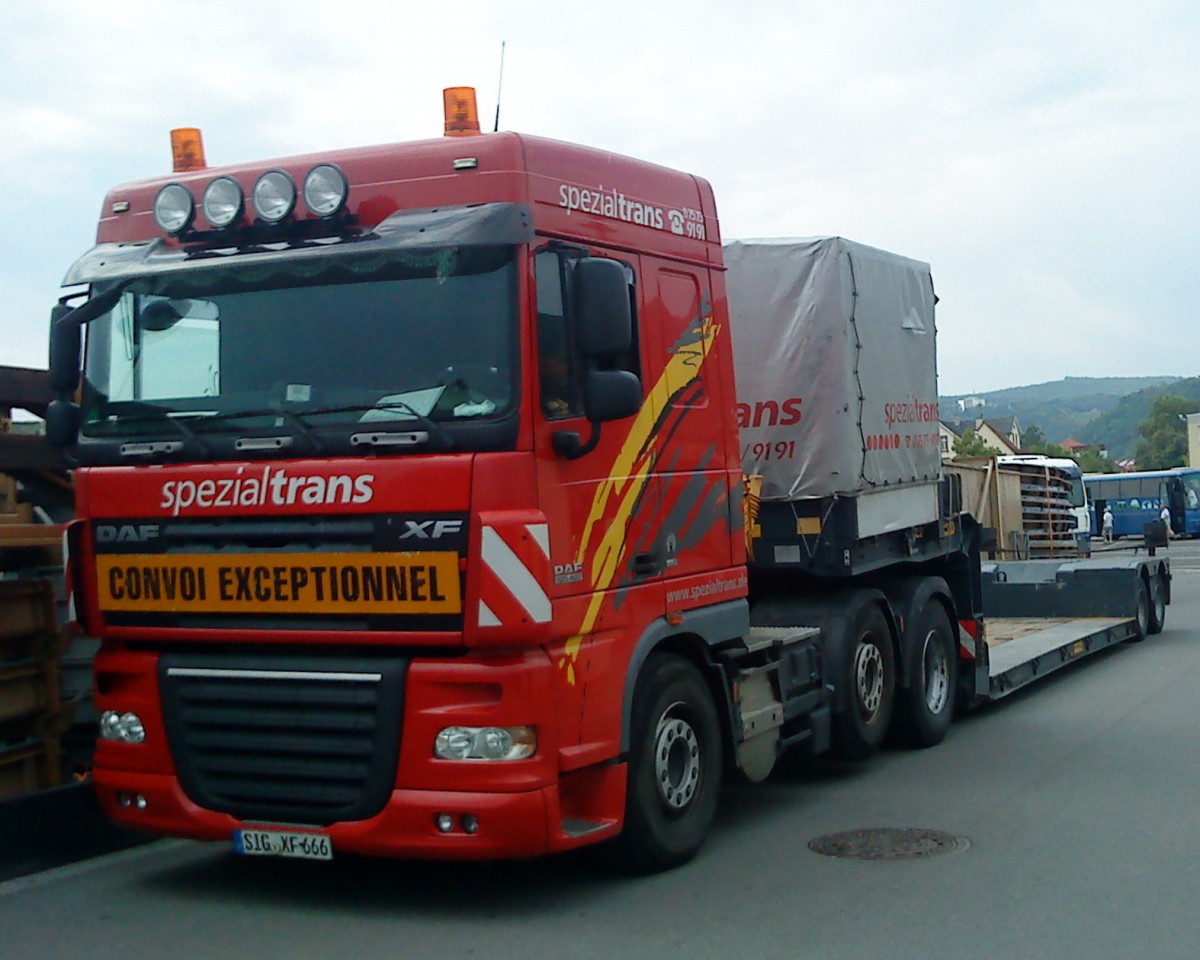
(888, 843)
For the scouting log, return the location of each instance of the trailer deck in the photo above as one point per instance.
(1023, 649)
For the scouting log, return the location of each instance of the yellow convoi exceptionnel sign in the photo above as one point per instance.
(358, 583)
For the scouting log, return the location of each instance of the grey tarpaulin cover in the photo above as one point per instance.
(836, 366)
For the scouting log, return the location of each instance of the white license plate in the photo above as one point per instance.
(282, 843)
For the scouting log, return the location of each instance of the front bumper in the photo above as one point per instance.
(511, 825)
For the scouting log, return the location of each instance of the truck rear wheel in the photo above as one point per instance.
(869, 682)
(1142, 606)
(674, 768)
(1158, 604)
(925, 707)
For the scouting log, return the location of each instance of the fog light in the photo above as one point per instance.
(485, 743)
(123, 799)
(470, 823)
(139, 801)
(325, 189)
(274, 196)
(444, 822)
(174, 208)
(223, 202)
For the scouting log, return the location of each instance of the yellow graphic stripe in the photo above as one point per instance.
(628, 476)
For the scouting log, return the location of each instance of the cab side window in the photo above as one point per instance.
(560, 368)
(558, 386)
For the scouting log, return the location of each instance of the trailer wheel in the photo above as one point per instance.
(674, 768)
(925, 708)
(1158, 604)
(869, 680)
(1143, 615)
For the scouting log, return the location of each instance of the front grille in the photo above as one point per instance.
(284, 739)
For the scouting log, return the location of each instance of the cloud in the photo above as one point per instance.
(1040, 157)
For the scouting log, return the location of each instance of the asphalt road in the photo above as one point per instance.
(1078, 798)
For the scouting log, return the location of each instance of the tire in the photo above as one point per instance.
(675, 766)
(1142, 615)
(925, 709)
(869, 679)
(1158, 604)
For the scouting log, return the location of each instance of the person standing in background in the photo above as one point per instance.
(1165, 516)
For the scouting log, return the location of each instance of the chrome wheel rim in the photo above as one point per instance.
(868, 678)
(937, 674)
(676, 760)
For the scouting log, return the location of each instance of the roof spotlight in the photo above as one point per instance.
(325, 189)
(274, 196)
(174, 208)
(223, 202)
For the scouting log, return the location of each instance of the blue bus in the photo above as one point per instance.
(1137, 498)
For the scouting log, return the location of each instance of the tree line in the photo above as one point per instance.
(1163, 442)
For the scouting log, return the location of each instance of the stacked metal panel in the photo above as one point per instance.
(31, 718)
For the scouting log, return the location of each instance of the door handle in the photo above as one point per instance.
(649, 564)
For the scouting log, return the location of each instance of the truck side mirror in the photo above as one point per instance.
(607, 395)
(603, 319)
(65, 339)
(611, 395)
(62, 423)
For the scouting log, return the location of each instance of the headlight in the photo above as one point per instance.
(325, 190)
(174, 208)
(121, 727)
(223, 202)
(485, 743)
(134, 731)
(109, 726)
(274, 196)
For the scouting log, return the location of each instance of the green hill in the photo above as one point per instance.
(1073, 388)
(1118, 427)
(1075, 407)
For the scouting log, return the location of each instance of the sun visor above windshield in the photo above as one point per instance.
(485, 224)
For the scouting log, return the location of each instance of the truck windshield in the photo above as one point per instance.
(376, 342)
(1078, 495)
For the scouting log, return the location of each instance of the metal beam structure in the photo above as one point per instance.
(25, 388)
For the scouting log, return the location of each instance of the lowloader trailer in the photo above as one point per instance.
(1046, 614)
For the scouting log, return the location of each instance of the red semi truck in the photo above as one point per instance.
(424, 511)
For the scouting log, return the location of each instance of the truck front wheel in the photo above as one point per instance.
(926, 707)
(869, 682)
(674, 768)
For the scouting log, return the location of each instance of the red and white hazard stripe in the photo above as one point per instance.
(514, 557)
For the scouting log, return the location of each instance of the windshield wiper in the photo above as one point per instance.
(304, 428)
(150, 414)
(435, 429)
(308, 429)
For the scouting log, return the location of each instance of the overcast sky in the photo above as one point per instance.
(1043, 157)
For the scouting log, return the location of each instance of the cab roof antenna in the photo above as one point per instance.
(499, 87)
